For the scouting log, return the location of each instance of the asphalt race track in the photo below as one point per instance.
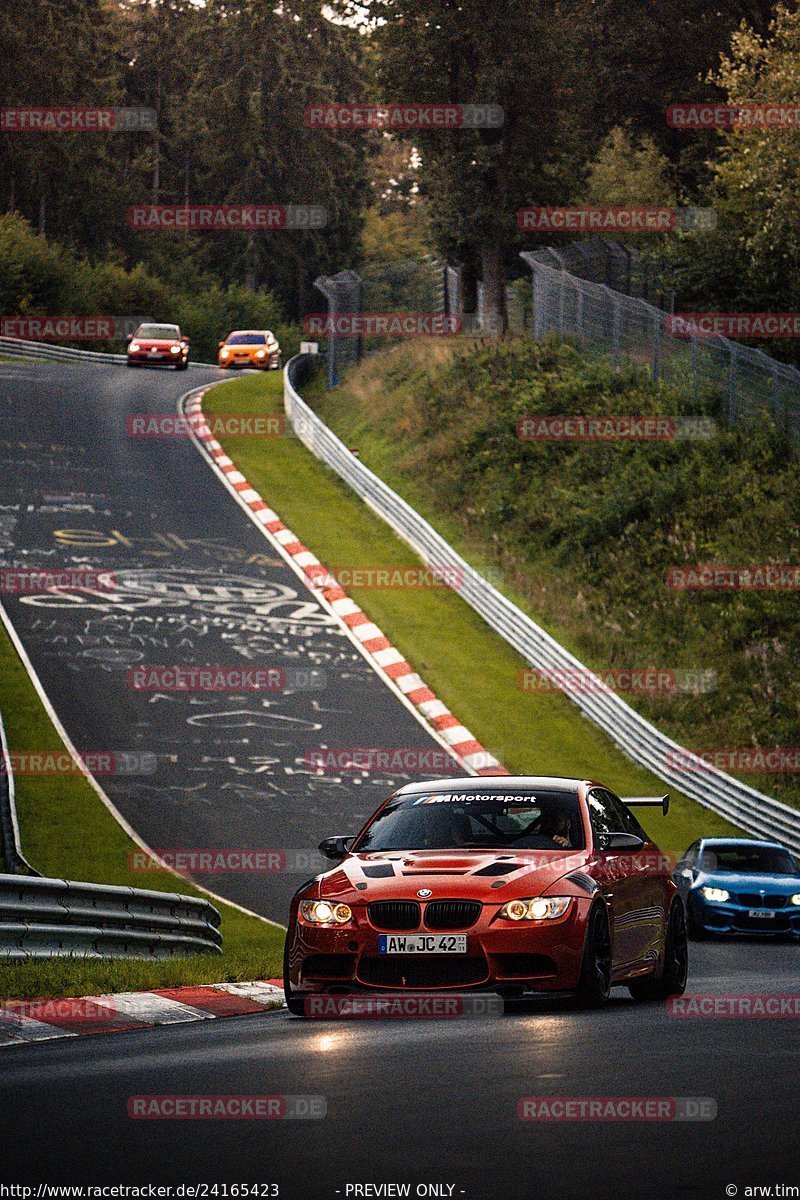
(407, 1101)
(429, 1100)
(195, 582)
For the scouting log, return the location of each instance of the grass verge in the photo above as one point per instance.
(68, 833)
(468, 666)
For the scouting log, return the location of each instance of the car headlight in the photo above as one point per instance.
(320, 912)
(261, 354)
(716, 895)
(174, 349)
(134, 346)
(796, 898)
(540, 908)
(224, 353)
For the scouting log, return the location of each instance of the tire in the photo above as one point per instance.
(697, 932)
(672, 981)
(295, 1001)
(131, 364)
(594, 985)
(182, 366)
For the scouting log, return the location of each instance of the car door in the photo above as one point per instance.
(625, 889)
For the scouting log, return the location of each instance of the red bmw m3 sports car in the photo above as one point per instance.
(510, 884)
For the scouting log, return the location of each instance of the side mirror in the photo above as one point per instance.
(335, 848)
(221, 344)
(129, 339)
(620, 841)
(185, 341)
(687, 873)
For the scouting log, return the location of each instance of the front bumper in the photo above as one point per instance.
(535, 956)
(271, 362)
(157, 360)
(734, 918)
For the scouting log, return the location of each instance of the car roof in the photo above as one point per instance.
(158, 325)
(239, 332)
(740, 841)
(492, 783)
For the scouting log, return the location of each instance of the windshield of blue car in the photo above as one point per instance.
(247, 339)
(478, 821)
(749, 860)
(159, 332)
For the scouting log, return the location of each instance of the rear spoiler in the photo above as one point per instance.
(661, 802)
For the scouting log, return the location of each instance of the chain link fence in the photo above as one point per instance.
(426, 287)
(606, 321)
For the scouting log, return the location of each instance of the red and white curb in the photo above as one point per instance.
(41, 1020)
(379, 651)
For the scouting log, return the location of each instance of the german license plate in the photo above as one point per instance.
(423, 943)
(761, 914)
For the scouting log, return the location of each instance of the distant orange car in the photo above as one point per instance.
(250, 348)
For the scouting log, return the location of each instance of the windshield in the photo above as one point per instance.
(482, 821)
(247, 339)
(165, 332)
(750, 860)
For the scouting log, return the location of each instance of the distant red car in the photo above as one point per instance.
(511, 884)
(158, 345)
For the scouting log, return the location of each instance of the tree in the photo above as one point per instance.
(511, 55)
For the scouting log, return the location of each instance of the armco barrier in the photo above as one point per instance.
(642, 742)
(17, 348)
(13, 859)
(55, 918)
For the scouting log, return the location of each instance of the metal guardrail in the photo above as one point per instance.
(55, 918)
(13, 859)
(17, 348)
(636, 737)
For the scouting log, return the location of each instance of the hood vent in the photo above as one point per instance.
(499, 868)
(381, 871)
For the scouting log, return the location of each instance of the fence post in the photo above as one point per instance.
(656, 346)
(616, 345)
(732, 383)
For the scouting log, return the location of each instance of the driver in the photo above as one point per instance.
(554, 825)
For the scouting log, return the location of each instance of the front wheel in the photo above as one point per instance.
(594, 985)
(676, 962)
(295, 1001)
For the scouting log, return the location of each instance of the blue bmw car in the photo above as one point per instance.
(739, 885)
